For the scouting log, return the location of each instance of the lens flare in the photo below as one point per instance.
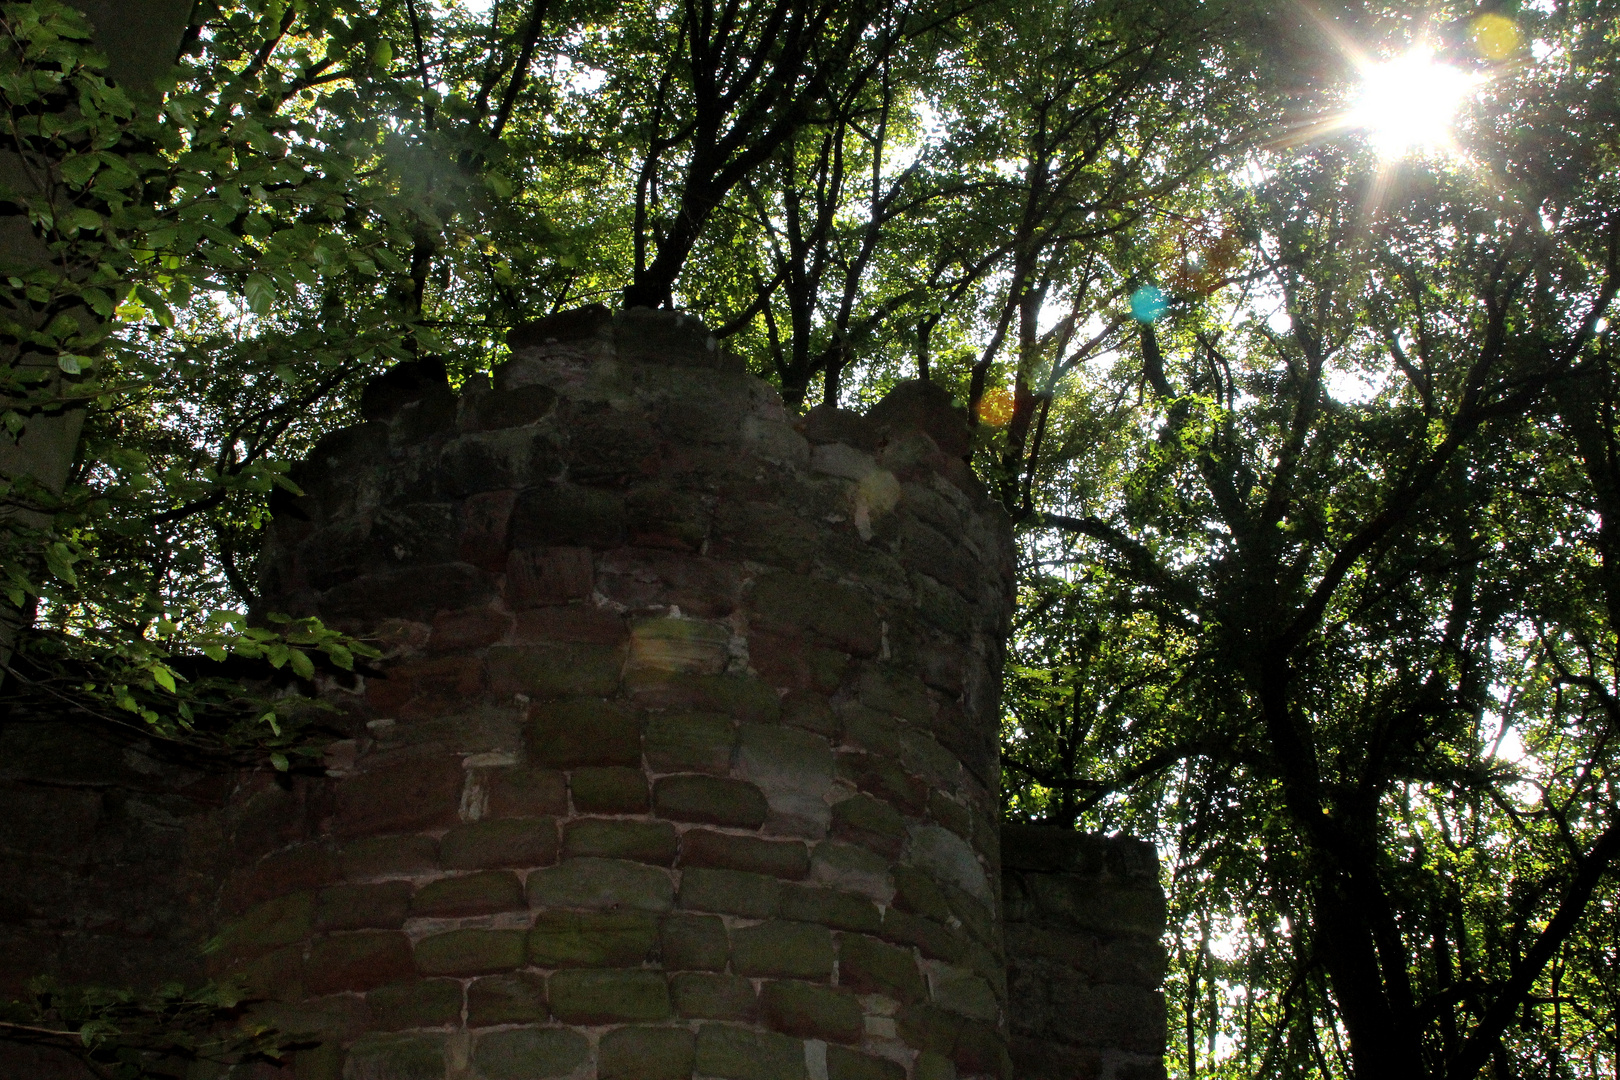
(1148, 303)
(1496, 37)
(995, 407)
(1409, 103)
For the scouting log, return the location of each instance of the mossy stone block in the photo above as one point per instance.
(778, 858)
(610, 789)
(653, 842)
(830, 907)
(646, 1053)
(846, 1064)
(592, 938)
(555, 669)
(712, 800)
(518, 998)
(470, 952)
(872, 967)
(703, 996)
(731, 892)
(740, 1054)
(785, 949)
(500, 842)
(396, 1057)
(419, 1004)
(470, 894)
(694, 943)
(600, 884)
(382, 906)
(529, 1054)
(609, 997)
(584, 732)
(812, 1011)
(690, 742)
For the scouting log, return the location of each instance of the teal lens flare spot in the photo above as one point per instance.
(1148, 303)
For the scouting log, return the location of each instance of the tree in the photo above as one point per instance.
(1376, 593)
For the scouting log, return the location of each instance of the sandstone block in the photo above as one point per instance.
(545, 669)
(732, 695)
(870, 823)
(609, 997)
(357, 961)
(536, 577)
(740, 1054)
(701, 996)
(646, 1053)
(960, 991)
(706, 848)
(694, 942)
(471, 894)
(930, 938)
(658, 515)
(812, 1011)
(680, 645)
(845, 1064)
(529, 1054)
(583, 732)
(853, 869)
(731, 892)
(273, 924)
(585, 624)
(601, 884)
(416, 1004)
(835, 613)
(463, 631)
(415, 793)
(405, 1057)
(609, 790)
(484, 519)
(568, 515)
(500, 842)
(784, 949)
(871, 967)
(415, 592)
(690, 742)
(470, 952)
(710, 799)
(830, 907)
(526, 793)
(518, 998)
(387, 856)
(592, 938)
(644, 579)
(887, 780)
(363, 907)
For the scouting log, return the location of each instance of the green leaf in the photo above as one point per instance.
(260, 293)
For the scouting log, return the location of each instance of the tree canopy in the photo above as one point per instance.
(1309, 439)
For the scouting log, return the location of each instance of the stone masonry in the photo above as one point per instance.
(686, 760)
(682, 761)
(1083, 917)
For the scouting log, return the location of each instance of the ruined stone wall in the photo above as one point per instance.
(682, 761)
(685, 763)
(1084, 918)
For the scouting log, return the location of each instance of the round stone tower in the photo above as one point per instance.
(682, 762)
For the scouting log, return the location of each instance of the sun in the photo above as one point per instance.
(1408, 104)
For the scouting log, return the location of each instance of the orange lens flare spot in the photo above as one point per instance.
(995, 407)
